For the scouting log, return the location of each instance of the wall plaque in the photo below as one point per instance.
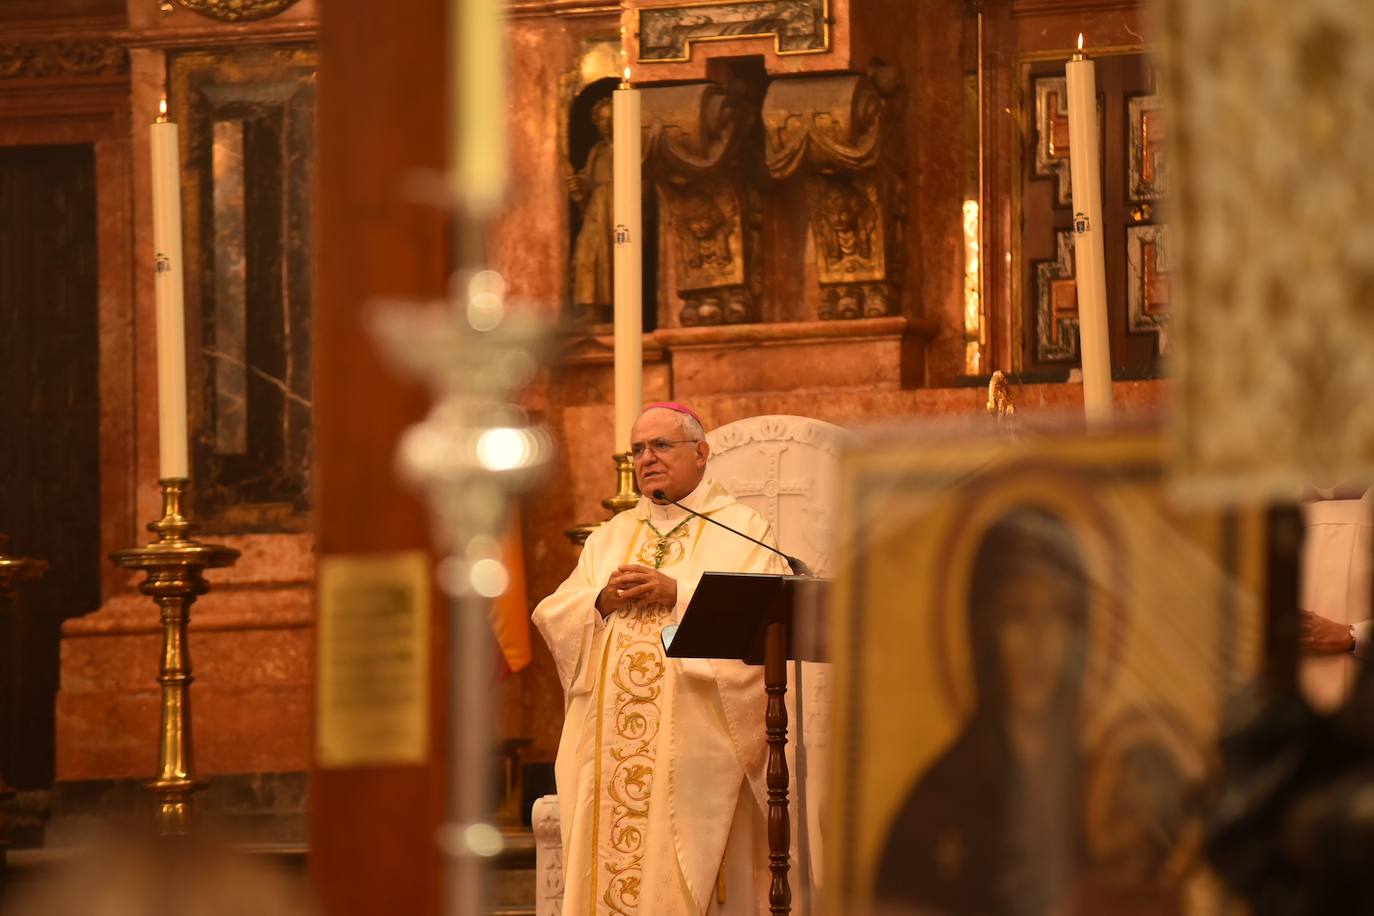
(372, 677)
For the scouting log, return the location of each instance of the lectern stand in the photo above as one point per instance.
(767, 620)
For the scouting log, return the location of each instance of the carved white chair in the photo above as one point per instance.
(786, 468)
(548, 857)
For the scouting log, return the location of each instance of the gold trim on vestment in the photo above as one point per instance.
(596, 779)
(634, 539)
(638, 676)
(638, 680)
(636, 704)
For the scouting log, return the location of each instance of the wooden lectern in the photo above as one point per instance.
(768, 620)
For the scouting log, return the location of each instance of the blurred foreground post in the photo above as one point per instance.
(373, 822)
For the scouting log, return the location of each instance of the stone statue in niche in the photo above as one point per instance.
(845, 220)
(842, 137)
(705, 235)
(706, 221)
(593, 260)
(850, 223)
(696, 143)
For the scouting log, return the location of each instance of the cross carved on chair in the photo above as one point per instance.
(771, 487)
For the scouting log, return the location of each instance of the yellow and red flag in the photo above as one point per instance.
(510, 613)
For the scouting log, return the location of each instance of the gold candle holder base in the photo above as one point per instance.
(626, 497)
(627, 494)
(14, 571)
(578, 534)
(174, 564)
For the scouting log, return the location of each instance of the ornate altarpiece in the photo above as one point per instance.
(701, 153)
(843, 137)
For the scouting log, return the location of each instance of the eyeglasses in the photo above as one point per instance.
(657, 446)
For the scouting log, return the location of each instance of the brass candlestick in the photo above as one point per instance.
(174, 564)
(626, 497)
(627, 493)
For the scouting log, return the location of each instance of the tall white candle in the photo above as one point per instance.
(629, 262)
(1089, 260)
(171, 311)
(477, 113)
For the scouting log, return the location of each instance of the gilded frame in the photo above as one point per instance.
(688, 44)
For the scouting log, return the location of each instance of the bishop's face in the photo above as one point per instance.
(663, 461)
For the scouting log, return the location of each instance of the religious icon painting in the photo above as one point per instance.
(1033, 648)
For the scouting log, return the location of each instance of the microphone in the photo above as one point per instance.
(798, 567)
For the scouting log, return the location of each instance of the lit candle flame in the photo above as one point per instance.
(162, 110)
(1080, 41)
(627, 74)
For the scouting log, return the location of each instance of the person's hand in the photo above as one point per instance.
(610, 598)
(1321, 636)
(636, 585)
(577, 187)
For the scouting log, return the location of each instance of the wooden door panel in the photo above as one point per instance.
(49, 429)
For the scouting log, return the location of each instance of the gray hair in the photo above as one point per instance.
(691, 428)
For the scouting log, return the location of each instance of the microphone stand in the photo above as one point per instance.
(803, 832)
(798, 567)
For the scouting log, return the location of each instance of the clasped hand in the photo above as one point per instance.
(636, 585)
(1321, 636)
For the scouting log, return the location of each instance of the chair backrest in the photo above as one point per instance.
(785, 467)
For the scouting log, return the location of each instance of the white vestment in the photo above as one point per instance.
(661, 761)
(1336, 558)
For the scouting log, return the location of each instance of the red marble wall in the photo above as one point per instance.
(530, 240)
(932, 62)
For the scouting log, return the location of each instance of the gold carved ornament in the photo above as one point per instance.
(237, 10)
(840, 134)
(61, 58)
(829, 123)
(696, 138)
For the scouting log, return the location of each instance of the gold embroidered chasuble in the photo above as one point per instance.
(659, 758)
